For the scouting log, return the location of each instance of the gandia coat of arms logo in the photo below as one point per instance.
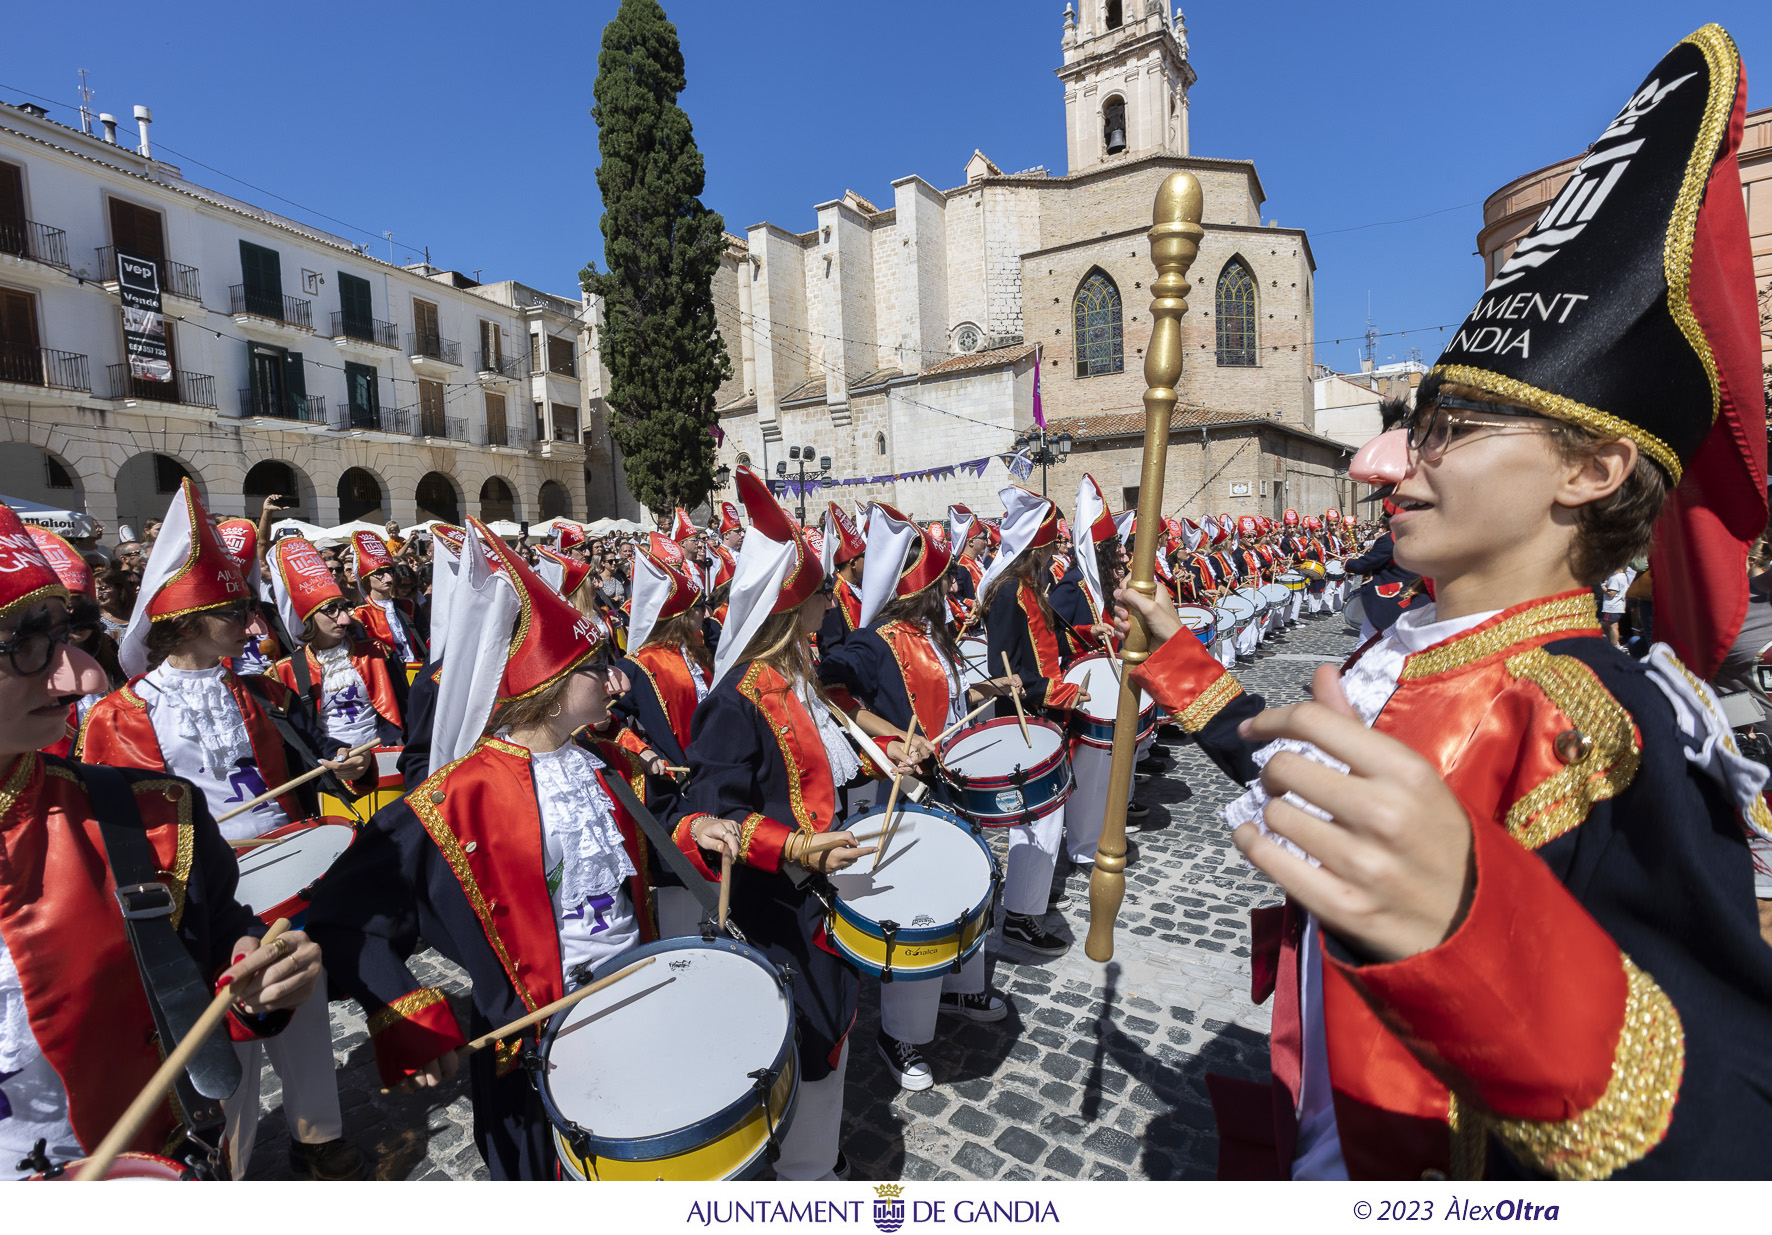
(888, 1207)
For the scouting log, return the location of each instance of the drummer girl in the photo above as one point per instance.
(192, 716)
(344, 679)
(513, 861)
(904, 661)
(767, 758)
(1019, 622)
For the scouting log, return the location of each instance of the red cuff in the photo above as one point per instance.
(411, 1032)
(1062, 695)
(686, 842)
(1187, 681)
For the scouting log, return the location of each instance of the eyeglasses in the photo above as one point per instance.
(335, 609)
(1434, 430)
(238, 612)
(33, 647)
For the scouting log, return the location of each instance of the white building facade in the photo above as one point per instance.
(300, 363)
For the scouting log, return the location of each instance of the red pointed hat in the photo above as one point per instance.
(569, 536)
(370, 553)
(850, 544)
(814, 537)
(1102, 530)
(1064, 529)
(930, 564)
(551, 638)
(1332, 515)
(682, 528)
(1248, 525)
(729, 520)
(26, 576)
(679, 571)
(240, 538)
(303, 576)
(68, 565)
(1313, 523)
(450, 535)
(572, 571)
(725, 565)
(207, 578)
(937, 530)
(993, 531)
(1290, 517)
(806, 572)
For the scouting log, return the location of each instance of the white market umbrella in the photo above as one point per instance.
(73, 524)
(307, 531)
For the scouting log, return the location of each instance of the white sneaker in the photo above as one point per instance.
(905, 1062)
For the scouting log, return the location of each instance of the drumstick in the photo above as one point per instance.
(257, 840)
(286, 786)
(892, 802)
(1019, 714)
(547, 1010)
(725, 887)
(953, 728)
(138, 1112)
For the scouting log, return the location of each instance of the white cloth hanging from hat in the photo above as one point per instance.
(889, 541)
(483, 611)
(1023, 513)
(167, 558)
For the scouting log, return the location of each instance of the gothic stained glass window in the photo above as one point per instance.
(1099, 335)
(1235, 307)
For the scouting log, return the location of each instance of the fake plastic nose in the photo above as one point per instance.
(1382, 461)
(258, 628)
(73, 672)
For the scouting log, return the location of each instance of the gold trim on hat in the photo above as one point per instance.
(1564, 408)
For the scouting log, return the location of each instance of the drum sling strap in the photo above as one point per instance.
(177, 992)
(291, 736)
(666, 847)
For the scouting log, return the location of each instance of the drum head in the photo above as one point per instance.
(933, 870)
(1276, 594)
(600, 1051)
(1226, 620)
(996, 749)
(975, 660)
(1095, 675)
(271, 874)
(1354, 613)
(1195, 617)
(1254, 599)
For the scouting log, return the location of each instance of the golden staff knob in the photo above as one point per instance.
(1175, 241)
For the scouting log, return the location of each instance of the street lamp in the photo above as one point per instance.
(1043, 449)
(804, 455)
(721, 475)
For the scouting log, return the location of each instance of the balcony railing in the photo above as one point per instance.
(282, 406)
(176, 278)
(496, 434)
(365, 330)
(37, 241)
(43, 366)
(192, 389)
(455, 428)
(290, 310)
(397, 419)
(493, 362)
(346, 417)
(436, 347)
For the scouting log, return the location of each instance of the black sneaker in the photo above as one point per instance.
(1026, 932)
(841, 1170)
(1151, 765)
(1057, 898)
(328, 1160)
(905, 1062)
(983, 1006)
(1137, 812)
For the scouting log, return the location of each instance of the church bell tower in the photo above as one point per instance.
(1126, 77)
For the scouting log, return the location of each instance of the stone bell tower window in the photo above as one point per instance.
(1114, 125)
(1114, 14)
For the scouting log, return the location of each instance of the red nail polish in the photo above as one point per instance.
(227, 979)
(238, 957)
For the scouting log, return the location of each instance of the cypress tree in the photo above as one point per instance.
(660, 340)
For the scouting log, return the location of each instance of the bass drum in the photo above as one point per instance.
(1354, 613)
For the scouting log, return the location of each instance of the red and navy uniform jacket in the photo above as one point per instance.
(660, 706)
(458, 862)
(1250, 566)
(374, 619)
(892, 670)
(1603, 1008)
(421, 708)
(758, 760)
(969, 576)
(1015, 625)
(59, 916)
(1070, 601)
(119, 733)
(387, 689)
(1388, 592)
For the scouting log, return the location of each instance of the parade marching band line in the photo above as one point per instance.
(670, 834)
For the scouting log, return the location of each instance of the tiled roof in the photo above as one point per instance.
(980, 360)
(879, 377)
(811, 388)
(1131, 424)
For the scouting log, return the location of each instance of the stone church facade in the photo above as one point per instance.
(904, 336)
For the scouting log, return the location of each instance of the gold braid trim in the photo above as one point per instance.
(405, 1008)
(1470, 1141)
(1633, 1115)
(748, 833)
(1209, 703)
(748, 687)
(1561, 802)
(1551, 617)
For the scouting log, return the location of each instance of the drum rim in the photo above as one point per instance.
(1096, 720)
(709, 1127)
(996, 781)
(296, 903)
(923, 934)
(998, 819)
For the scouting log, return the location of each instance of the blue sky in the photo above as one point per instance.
(466, 127)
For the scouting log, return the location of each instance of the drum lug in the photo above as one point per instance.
(762, 1085)
(889, 929)
(37, 1161)
(960, 939)
(709, 929)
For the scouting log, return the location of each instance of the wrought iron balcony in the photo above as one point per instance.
(494, 362)
(346, 417)
(43, 366)
(37, 241)
(281, 405)
(501, 434)
(433, 346)
(192, 389)
(397, 419)
(176, 278)
(454, 428)
(290, 310)
(365, 330)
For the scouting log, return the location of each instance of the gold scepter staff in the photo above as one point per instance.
(1175, 241)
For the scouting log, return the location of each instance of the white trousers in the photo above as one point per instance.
(908, 1010)
(1314, 600)
(1226, 651)
(809, 1147)
(302, 1057)
(1297, 604)
(1027, 873)
(1247, 639)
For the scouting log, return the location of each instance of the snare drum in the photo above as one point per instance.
(926, 909)
(1255, 600)
(1292, 581)
(1354, 613)
(614, 1119)
(1199, 619)
(1335, 570)
(998, 780)
(277, 880)
(390, 786)
(149, 1167)
(1277, 595)
(975, 661)
(1312, 571)
(1242, 613)
(1092, 723)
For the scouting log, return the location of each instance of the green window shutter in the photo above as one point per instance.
(296, 383)
(353, 299)
(261, 271)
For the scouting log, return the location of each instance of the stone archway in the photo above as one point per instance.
(361, 495)
(438, 498)
(32, 474)
(497, 500)
(555, 500)
(146, 484)
(276, 476)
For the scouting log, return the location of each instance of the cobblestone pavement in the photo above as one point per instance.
(1098, 1072)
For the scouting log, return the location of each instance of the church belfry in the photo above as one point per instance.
(1126, 77)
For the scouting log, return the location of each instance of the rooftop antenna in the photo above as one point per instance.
(86, 97)
(1370, 350)
(390, 240)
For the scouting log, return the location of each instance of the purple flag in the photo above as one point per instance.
(1039, 415)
